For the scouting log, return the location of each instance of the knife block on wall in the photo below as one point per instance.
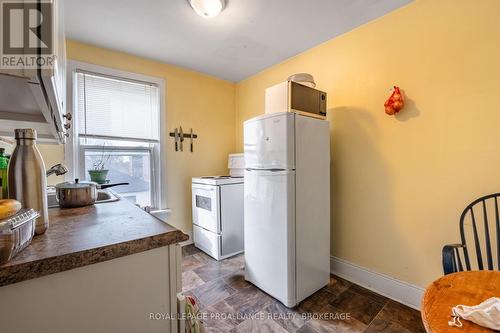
(180, 137)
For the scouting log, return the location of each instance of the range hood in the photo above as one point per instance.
(25, 103)
(35, 97)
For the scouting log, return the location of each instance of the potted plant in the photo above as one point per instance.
(98, 173)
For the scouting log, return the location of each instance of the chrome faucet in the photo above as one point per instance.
(58, 170)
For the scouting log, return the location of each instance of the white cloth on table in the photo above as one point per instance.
(486, 314)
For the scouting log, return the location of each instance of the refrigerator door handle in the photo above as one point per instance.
(270, 170)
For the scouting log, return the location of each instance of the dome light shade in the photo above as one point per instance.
(207, 8)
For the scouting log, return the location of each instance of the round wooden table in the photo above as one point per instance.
(467, 288)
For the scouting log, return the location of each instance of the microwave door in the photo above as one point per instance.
(307, 101)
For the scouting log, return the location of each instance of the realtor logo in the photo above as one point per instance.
(27, 34)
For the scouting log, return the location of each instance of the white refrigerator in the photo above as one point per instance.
(287, 205)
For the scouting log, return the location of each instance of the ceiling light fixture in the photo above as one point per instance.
(207, 8)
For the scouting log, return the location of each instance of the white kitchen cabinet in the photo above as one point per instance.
(134, 293)
(35, 98)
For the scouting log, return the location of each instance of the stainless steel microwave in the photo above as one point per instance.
(291, 96)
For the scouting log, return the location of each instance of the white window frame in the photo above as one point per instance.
(74, 154)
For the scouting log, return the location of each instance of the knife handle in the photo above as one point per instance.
(176, 146)
(191, 145)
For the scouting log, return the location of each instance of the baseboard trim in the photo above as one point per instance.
(385, 285)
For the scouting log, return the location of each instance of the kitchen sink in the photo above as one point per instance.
(103, 196)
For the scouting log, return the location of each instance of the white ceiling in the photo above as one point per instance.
(248, 36)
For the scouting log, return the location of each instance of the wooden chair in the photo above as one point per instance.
(479, 231)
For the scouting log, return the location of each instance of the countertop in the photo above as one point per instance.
(83, 236)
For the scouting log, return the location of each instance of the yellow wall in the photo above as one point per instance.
(193, 100)
(52, 154)
(400, 183)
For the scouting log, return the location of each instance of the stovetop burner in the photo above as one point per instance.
(217, 180)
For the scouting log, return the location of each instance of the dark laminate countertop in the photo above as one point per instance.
(83, 236)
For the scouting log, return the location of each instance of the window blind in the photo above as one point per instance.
(117, 108)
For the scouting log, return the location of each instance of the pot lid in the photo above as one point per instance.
(76, 184)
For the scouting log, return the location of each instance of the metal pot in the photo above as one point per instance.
(79, 194)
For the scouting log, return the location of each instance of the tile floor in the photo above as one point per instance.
(229, 303)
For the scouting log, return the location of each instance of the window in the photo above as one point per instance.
(117, 108)
(131, 165)
(116, 128)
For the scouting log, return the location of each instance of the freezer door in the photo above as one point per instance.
(270, 233)
(269, 142)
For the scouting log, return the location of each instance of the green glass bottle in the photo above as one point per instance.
(4, 162)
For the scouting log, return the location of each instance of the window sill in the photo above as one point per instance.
(161, 214)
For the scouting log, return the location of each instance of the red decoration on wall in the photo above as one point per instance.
(395, 103)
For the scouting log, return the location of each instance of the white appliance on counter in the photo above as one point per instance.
(236, 165)
(218, 215)
(287, 205)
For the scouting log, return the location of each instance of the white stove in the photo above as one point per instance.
(217, 180)
(218, 215)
